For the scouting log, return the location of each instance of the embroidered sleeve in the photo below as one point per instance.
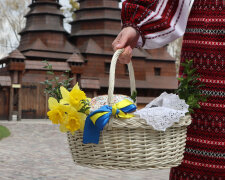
(158, 21)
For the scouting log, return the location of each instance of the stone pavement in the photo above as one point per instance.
(36, 150)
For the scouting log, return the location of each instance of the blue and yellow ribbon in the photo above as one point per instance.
(97, 120)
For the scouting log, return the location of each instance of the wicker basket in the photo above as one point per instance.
(131, 143)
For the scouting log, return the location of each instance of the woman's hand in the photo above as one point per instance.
(126, 39)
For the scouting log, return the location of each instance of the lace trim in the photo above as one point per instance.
(163, 111)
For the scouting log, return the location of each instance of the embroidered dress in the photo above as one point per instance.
(159, 22)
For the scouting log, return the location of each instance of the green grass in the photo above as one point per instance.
(4, 132)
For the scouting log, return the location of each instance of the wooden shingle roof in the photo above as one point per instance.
(38, 65)
(90, 83)
(155, 82)
(16, 54)
(76, 58)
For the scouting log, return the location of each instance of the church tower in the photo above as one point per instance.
(43, 38)
(86, 53)
(97, 24)
(44, 35)
(98, 21)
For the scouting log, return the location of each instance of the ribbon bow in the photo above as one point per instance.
(97, 120)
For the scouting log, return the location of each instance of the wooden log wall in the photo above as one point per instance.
(33, 101)
(4, 103)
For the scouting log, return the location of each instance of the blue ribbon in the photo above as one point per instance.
(92, 131)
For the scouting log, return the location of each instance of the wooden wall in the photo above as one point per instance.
(34, 101)
(4, 103)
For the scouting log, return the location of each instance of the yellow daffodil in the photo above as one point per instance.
(73, 97)
(63, 128)
(66, 112)
(75, 120)
(57, 111)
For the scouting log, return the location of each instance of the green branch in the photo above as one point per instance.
(52, 86)
(190, 87)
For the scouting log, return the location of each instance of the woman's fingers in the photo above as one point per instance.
(125, 57)
(122, 41)
(126, 39)
(116, 41)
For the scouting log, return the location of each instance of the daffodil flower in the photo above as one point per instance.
(57, 111)
(66, 113)
(76, 120)
(73, 97)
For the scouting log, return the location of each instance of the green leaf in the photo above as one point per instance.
(180, 79)
(70, 79)
(50, 72)
(134, 96)
(189, 88)
(52, 86)
(44, 61)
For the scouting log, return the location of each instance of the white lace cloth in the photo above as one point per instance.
(163, 111)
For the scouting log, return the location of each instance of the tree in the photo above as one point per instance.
(69, 6)
(12, 21)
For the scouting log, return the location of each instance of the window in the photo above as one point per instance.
(107, 67)
(157, 71)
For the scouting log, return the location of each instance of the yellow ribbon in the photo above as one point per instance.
(97, 120)
(117, 111)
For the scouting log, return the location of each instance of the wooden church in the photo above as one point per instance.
(86, 53)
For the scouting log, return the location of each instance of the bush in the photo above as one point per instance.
(4, 132)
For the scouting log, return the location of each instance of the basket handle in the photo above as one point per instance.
(112, 76)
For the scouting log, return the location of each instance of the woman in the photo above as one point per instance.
(154, 23)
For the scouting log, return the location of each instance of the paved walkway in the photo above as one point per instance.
(36, 150)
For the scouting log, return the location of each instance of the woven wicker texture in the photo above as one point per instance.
(112, 76)
(131, 143)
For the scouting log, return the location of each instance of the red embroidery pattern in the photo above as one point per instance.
(134, 13)
(219, 143)
(204, 156)
(205, 146)
(204, 165)
(164, 22)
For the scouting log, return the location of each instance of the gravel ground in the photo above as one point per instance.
(36, 150)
